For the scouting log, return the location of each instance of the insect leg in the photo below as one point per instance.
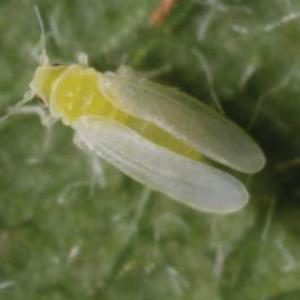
(131, 73)
(46, 119)
(83, 59)
(96, 163)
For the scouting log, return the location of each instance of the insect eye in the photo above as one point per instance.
(40, 100)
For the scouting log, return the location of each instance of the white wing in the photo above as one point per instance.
(192, 183)
(185, 118)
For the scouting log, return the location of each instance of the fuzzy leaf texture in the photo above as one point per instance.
(72, 228)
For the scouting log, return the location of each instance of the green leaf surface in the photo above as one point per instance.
(72, 227)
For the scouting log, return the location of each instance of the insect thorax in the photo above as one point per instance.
(71, 92)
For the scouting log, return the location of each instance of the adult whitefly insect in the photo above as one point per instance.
(159, 136)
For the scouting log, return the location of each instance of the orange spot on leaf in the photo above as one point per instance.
(161, 13)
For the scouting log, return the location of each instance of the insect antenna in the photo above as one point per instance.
(43, 57)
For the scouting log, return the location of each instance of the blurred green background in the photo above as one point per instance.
(74, 229)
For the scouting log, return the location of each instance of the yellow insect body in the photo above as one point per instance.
(155, 134)
(73, 91)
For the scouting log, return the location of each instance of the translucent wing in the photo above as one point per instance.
(185, 118)
(192, 183)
